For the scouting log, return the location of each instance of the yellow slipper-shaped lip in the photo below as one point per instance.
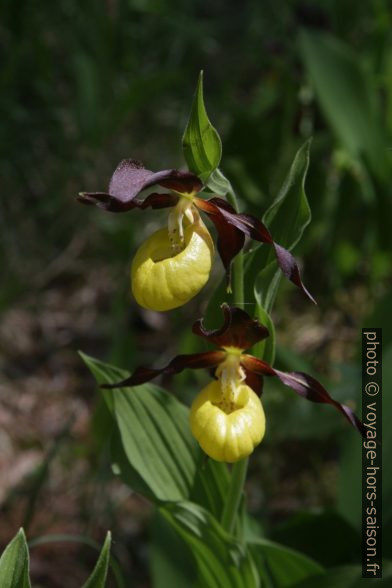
(227, 431)
(162, 281)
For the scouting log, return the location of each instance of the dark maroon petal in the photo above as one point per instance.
(246, 223)
(181, 181)
(239, 330)
(130, 178)
(105, 201)
(305, 386)
(158, 201)
(290, 269)
(206, 359)
(230, 239)
(111, 204)
(254, 381)
(257, 366)
(217, 208)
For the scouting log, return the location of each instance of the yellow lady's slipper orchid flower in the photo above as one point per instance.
(227, 417)
(131, 178)
(227, 430)
(164, 277)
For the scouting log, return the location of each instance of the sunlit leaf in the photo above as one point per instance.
(201, 143)
(286, 218)
(98, 576)
(153, 449)
(14, 563)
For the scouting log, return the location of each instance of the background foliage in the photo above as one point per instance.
(84, 85)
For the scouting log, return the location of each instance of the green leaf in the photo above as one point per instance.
(153, 448)
(171, 560)
(98, 576)
(82, 540)
(211, 485)
(289, 214)
(265, 349)
(346, 95)
(201, 143)
(154, 434)
(14, 563)
(221, 560)
(122, 467)
(281, 566)
(218, 183)
(287, 217)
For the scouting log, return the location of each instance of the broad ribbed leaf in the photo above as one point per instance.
(282, 567)
(171, 561)
(346, 96)
(201, 143)
(211, 485)
(14, 563)
(98, 576)
(286, 218)
(152, 447)
(221, 560)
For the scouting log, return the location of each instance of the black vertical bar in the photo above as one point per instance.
(372, 453)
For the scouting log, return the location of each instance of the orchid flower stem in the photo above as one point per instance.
(238, 472)
(238, 280)
(236, 488)
(238, 263)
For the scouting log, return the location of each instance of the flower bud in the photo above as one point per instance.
(163, 279)
(227, 429)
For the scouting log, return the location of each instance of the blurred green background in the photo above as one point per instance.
(83, 85)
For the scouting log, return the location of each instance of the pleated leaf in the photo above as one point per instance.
(201, 143)
(280, 566)
(100, 572)
(152, 446)
(14, 563)
(171, 561)
(286, 218)
(221, 560)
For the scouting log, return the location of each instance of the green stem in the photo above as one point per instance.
(236, 488)
(238, 473)
(238, 280)
(238, 263)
